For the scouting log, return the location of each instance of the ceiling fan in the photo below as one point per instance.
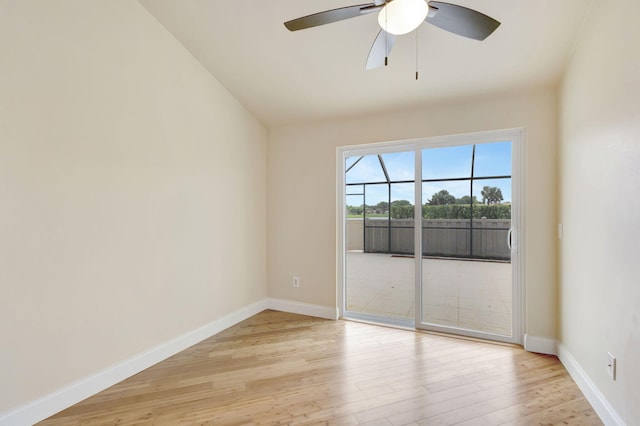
(398, 17)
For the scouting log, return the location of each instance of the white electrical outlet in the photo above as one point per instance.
(296, 281)
(611, 366)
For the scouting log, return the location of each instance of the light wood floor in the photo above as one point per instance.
(279, 368)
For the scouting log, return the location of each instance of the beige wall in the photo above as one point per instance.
(599, 204)
(302, 191)
(132, 188)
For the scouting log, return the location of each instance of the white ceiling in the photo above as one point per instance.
(285, 77)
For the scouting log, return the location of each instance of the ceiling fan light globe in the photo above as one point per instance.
(402, 16)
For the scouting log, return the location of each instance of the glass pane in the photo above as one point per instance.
(380, 280)
(458, 291)
(399, 165)
(446, 220)
(492, 159)
(492, 219)
(466, 294)
(355, 206)
(492, 191)
(377, 200)
(402, 194)
(354, 223)
(350, 161)
(366, 170)
(377, 219)
(449, 162)
(402, 218)
(445, 193)
(355, 190)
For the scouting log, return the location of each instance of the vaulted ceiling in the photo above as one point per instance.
(319, 73)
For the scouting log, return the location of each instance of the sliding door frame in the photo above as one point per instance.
(517, 138)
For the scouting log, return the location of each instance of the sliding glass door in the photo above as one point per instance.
(429, 233)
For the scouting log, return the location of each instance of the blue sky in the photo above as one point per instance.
(492, 159)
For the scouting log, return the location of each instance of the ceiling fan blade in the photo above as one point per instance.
(461, 20)
(380, 49)
(329, 16)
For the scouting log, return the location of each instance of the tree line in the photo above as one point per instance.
(443, 205)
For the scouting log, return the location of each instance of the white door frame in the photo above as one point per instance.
(517, 138)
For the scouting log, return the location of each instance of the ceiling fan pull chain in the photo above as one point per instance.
(386, 41)
(416, 53)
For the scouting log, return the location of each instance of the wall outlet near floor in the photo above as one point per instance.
(296, 281)
(611, 366)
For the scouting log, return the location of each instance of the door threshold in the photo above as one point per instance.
(409, 326)
(383, 322)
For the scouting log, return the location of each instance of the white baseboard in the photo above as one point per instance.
(45, 407)
(540, 345)
(303, 308)
(607, 414)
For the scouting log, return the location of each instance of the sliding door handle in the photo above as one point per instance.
(509, 238)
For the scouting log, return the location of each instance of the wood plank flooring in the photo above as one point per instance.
(285, 369)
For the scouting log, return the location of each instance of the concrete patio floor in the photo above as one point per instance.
(474, 295)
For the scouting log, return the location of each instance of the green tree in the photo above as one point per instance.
(491, 195)
(401, 203)
(441, 198)
(382, 207)
(355, 210)
(467, 200)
